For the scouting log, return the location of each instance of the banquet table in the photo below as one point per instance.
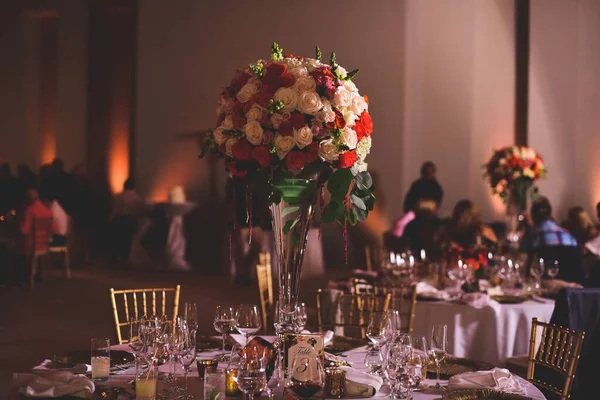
(121, 378)
(491, 334)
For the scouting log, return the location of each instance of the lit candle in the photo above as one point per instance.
(423, 254)
(398, 259)
(411, 260)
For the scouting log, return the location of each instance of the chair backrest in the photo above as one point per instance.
(348, 310)
(134, 304)
(41, 233)
(403, 299)
(559, 351)
(265, 288)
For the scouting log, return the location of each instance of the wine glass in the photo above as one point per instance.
(136, 337)
(376, 329)
(223, 323)
(252, 375)
(414, 369)
(301, 316)
(191, 316)
(553, 270)
(390, 371)
(307, 376)
(439, 348)
(393, 323)
(419, 347)
(187, 355)
(374, 361)
(247, 320)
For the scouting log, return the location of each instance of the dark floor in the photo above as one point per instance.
(62, 315)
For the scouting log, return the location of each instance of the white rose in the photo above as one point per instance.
(361, 166)
(246, 92)
(309, 103)
(349, 138)
(328, 151)
(349, 116)
(228, 122)
(303, 136)
(298, 72)
(342, 97)
(284, 144)
(228, 145)
(254, 113)
(292, 62)
(341, 72)
(219, 136)
(288, 96)
(254, 132)
(312, 64)
(363, 148)
(306, 84)
(350, 86)
(358, 104)
(326, 114)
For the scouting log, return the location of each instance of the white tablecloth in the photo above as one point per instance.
(485, 334)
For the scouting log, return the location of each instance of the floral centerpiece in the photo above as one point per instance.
(288, 127)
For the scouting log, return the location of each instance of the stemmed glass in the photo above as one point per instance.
(186, 352)
(439, 348)
(252, 375)
(301, 316)
(376, 329)
(136, 337)
(191, 316)
(374, 361)
(247, 320)
(419, 348)
(553, 270)
(223, 323)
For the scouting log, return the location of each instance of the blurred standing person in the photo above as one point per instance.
(424, 188)
(127, 207)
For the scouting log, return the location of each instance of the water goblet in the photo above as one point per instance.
(223, 323)
(376, 330)
(251, 374)
(374, 361)
(247, 320)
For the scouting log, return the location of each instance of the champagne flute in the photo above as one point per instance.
(376, 329)
(252, 375)
(191, 316)
(302, 316)
(247, 320)
(419, 347)
(439, 348)
(393, 323)
(223, 323)
(187, 355)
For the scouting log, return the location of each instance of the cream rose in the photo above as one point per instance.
(349, 116)
(284, 144)
(326, 114)
(350, 86)
(246, 92)
(288, 96)
(341, 72)
(254, 113)
(309, 103)
(358, 104)
(328, 151)
(219, 136)
(342, 97)
(291, 62)
(312, 64)
(361, 166)
(228, 145)
(227, 122)
(254, 132)
(349, 138)
(306, 84)
(303, 136)
(363, 148)
(298, 72)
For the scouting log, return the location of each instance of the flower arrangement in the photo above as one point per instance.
(297, 117)
(472, 257)
(512, 171)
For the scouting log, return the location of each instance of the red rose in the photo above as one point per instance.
(364, 125)
(286, 128)
(242, 150)
(239, 80)
(313, 152)
(298, 120)
(239, 120)
(295, 159)
(347, 159)
(287, 80)
(273, 74)
(265, 121)
(232, 168)
(339, 122)
(267, 137)
(263, 96)
(262, 154)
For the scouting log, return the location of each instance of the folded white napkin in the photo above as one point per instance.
(497, 379)
(241, 340)
(328, 336)
(54, 384)
(594, 246)
(361, 384)
(49, 365)
(424, 289)
(479, 300)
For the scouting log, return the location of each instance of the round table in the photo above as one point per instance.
(490, 334)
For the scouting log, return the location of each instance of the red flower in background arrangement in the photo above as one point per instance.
(313, 151)
(262, 155)
(363, 126)
(339, 123)
(296, 159)
(286, 128)
(239, 80)
(347, 159)
(298, 120)
(242, 150)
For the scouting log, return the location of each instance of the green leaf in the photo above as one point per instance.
(332, 59)
(339, 183)
(276, 52)
(361, 214)
(352, 217)
(319, 54)
(295, 238)
(289, 210)
(352, 74)
(333, 211)
(289, 225)
(369, 201)
(364, 180)
(358, 202)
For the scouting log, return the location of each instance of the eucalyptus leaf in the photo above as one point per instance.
(358, 202)
(364, 180)
(361, 214)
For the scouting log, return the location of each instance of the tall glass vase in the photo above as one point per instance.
(515, 207)
(291, 221)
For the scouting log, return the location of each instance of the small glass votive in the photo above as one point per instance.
(146, 378)
(231, 387)
(206, 365)
(100, 359)
(214, 383)
(335, 383)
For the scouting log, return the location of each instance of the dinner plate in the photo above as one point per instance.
(117, 357)
(453, 366)
(482, 394)
(509, 299)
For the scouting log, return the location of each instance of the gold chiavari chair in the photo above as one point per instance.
(403, 299)
(40, 234)
(559, 351)
(348, 310)
(143, 302)
(265, 288)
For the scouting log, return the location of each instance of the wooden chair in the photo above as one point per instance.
(143, 302)
(403, 299)
(350, 310)
(559, 351)
(265, 288)
(41, 232)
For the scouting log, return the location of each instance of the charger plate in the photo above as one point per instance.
(510, 299)
(482, 394)
(453, 366)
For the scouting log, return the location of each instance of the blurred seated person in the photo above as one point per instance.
(423, 232)
(580, 226)
(61, 220)
(467, 228)
(426, 188)
(127, 208)
(549, 241)
(35, 209)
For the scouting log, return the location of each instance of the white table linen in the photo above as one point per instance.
(490, 334)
